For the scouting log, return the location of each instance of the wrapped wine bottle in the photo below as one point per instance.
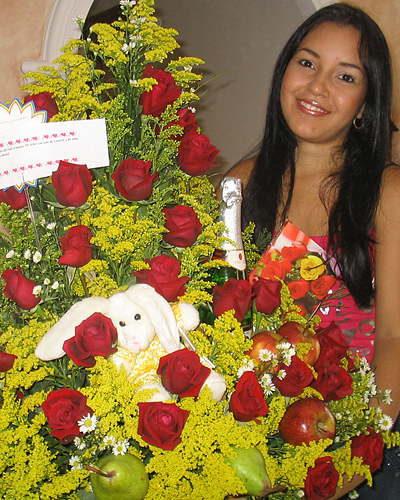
(231, 250)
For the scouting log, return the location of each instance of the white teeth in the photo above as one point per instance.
(311, 107)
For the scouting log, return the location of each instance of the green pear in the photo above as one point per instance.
(250, 468)
(119, 477)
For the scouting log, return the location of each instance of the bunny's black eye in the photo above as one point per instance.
(122, 323)
(137, 317)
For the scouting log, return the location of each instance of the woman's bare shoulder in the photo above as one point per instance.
(242, 170)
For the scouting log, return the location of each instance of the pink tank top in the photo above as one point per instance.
(358, 325)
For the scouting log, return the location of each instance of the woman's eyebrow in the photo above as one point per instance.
(345, 64)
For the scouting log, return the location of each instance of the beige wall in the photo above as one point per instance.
(22, 27)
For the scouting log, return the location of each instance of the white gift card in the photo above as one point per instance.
(30, 150)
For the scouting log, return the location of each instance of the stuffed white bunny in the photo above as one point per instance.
(142, 317)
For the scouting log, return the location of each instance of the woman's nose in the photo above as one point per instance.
(319, 84)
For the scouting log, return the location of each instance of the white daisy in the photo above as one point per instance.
(385, 423)
(79, 443)
(109, 440)
(300, 494)
(55, 285)
(51, 226)
(281, 374)
(10, 254)
(88, 423)
(75, 462)
(267, 385)
(266, 355)
(46, 281)
(248, 366)
(37, 257)
(36, 290)
(120, 447)
(27, 254)
(386, 397)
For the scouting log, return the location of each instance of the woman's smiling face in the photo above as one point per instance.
(324, 85)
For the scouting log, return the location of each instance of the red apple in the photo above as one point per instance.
(264, 340)
(305, 420)
(295, 333)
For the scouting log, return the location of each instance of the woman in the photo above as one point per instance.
(323, 165)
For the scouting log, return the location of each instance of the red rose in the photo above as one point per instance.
(196, 154)
(63, 409)
(370, 448)
(20, 289)
(13, 198)
(95, 336)
(277, 269)
(73, 184)
(163, 277)
(165, 92)
(298, 376)
(247, 402)
(321, 286)
(76, 247)
(183, 226)
(6, 361)
(296, 251)
(321, 479)
(298, 288)
(182, 373)
(186, 119)
(234, 294)
(133, 180)
(333, 343)
(333, 381)
(161, 424)
(267, 295)
(44, 102)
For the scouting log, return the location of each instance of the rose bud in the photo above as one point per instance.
(247, 402)
(44, 102)
(369, 447)
(95, 336)
(133, 180)
(163, 277)
(163, 93)
(73, 184)
(234, 294)
(6, 361)
(183, 225)
(161, 424)
(267, 295)
(182, 373)
(20, 289)
(13, 198)
(76, 247)
(196, 154)
(321, 479)
(63, 409)
(186, 119)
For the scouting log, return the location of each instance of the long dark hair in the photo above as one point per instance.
(364, 154)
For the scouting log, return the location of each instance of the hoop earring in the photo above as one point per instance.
(357, 122)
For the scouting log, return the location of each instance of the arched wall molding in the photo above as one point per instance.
(61, 26)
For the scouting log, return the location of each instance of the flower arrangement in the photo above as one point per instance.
(87, 240)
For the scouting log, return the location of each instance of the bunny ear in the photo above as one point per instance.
(160, 314)
(51, 345)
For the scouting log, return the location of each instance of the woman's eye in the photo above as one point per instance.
(346, 78)
(306, 63)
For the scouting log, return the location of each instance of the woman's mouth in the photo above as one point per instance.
(312, 108)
